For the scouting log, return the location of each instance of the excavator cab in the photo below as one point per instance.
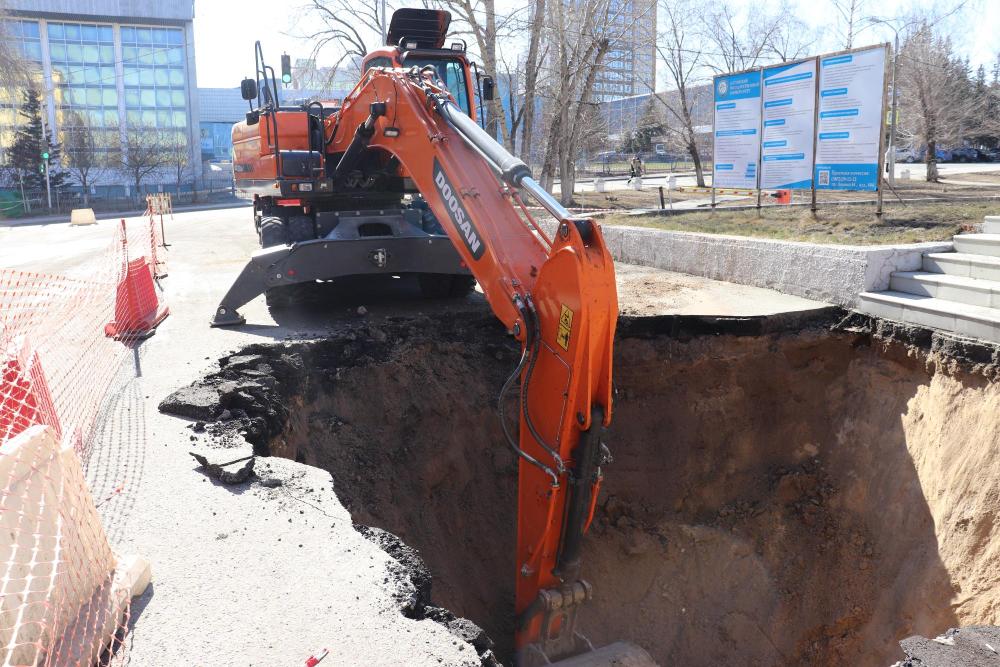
(416, 38)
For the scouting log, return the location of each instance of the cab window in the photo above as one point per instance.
(452, 74)
(378, 62)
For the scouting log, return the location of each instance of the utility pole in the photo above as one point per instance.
(385, 25)
(892, 118)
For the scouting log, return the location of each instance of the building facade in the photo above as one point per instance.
(111, 67)
(220, 108)
(630, 64)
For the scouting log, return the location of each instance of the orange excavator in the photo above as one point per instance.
(408, 129)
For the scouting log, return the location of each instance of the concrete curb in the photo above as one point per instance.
(832, 273)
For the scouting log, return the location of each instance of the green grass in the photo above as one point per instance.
(849, 225)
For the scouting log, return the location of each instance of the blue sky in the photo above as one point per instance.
(225, 31)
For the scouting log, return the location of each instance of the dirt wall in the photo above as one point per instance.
(795, 496)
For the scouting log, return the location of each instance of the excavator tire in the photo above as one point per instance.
(272, 232)
(301, 228)
(435, 285)
(462, 286)
(281, 298)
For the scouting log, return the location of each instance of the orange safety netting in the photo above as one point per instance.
(64, 341)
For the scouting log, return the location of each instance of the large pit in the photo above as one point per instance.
(783, 491)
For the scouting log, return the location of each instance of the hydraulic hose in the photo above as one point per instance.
(503, 422)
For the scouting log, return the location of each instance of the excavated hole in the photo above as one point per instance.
(764, 506)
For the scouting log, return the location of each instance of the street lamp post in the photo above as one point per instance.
(892, 118)
(895, 93)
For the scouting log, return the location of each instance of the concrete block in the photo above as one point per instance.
(991, 224)
(65, 591)
(82, 216)
(978, 244)
(935, 313)
(831, 273)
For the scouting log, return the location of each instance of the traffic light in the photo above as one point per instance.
(45, 155)
(286, 68)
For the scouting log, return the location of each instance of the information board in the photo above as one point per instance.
(737, 130)
(849, 127)
(789, 100)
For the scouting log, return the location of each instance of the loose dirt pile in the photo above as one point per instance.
(782, 493)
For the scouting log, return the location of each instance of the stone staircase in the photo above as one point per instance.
(956, 291)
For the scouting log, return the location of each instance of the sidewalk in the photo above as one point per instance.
(113, 215)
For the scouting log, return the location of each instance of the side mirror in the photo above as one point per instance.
(248, 89)
(488, 91)
(253, 117)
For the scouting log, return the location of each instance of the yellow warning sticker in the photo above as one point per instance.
(565, 327)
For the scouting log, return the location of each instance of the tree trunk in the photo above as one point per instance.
(931, 159)
(567, 180)
(699, 169)
(531, 67)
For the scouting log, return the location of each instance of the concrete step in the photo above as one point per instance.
(972, 291)
(983, 267)
(960, 318)
(991, 224)
(978, 244)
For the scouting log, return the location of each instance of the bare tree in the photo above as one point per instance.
(678, 47)
(177, 158)
(850, 16)
(87, 152)
(938, 104)
(15, 70)
(351, 29)
(739, 39)
(486, 25)
(793, 38)
(579, 34)
(532, 66)
(145, 152)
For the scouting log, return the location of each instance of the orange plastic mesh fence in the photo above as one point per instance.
(64, 342)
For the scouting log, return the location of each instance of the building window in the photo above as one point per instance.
(83, 82)
(25, 37)
(153, 66)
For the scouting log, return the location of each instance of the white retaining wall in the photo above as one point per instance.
(832, 273)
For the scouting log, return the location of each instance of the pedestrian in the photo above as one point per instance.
(635, 168)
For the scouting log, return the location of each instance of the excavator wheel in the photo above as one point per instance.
(301, 228)
(462, 285)
(435, 285)
(273, 232)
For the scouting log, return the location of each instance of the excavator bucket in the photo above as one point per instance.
(619, 654)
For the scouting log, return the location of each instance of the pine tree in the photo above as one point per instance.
(30, 143)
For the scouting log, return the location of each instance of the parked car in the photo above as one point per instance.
(987, 155)
(942, 154)
(965, 154)
(906, 155)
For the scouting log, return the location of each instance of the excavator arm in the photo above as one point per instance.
(556, 295)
